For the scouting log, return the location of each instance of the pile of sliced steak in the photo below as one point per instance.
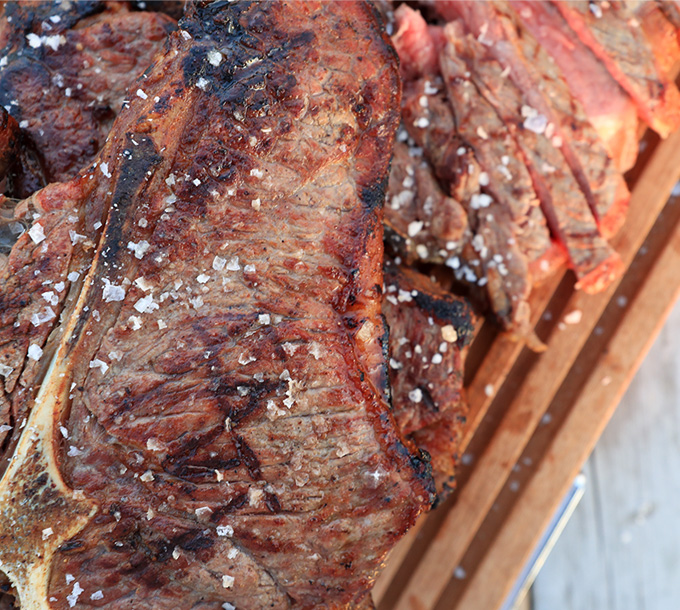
(525, 114)
(195, 394)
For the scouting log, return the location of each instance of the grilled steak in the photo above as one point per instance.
(64, 72)
(614, 35)
(430, 330)
(191, 341)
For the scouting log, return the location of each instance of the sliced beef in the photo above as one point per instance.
(491, 259)
(607, 106)
(547, 96)
(614, 35)
(562, 202)
(422, 221)
(505, 176)
(430, 330)
(64, 73)
(199, 311)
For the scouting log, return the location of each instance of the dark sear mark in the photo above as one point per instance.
(248, 457)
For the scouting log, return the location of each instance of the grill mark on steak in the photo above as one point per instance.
(247, 457)
(318, 146)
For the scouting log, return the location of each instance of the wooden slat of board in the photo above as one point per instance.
(491, 472)
(500, 359)
(576, 438)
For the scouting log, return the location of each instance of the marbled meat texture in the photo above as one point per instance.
(430, 331)
(217, 275)
(64, 72)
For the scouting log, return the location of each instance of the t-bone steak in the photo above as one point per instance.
(192, 350)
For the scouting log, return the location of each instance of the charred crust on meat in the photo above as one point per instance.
(247, 457)
(139, 157)
(455, 311)
(71, 545)
(237, 502)
(373, 196)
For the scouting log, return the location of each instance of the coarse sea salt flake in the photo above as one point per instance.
(47, 532)
(415, 227)
(415, 395)
(139, 249)
(233, 265)
(34, 352)
(104, 167)
(202, 83)
(73, 277)
(146, 304)
(227, 581)
(202, 278)
(219, 263)
(97, 595)
(225, 530)
(449, 333)
(99, 364)
(36, 233)
(214, 57)
(153, 444)
(111, 292)
(45, 316)
(140, 93)
(72, 599)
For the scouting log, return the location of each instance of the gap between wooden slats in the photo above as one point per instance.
(602, 387)
(476, 498)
